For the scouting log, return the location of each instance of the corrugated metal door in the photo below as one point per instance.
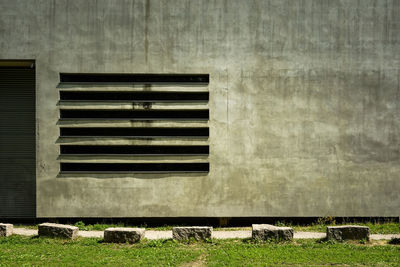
(17, 142)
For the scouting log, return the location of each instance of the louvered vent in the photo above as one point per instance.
(133, 123)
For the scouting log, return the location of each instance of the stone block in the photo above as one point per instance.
(123, 235)
(196, 232)
(6, 229)
(58, 230)
(347, 232)
(271, 232)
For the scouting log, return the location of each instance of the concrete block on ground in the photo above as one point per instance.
(271, 232)
(347, 232)
(6, 229)
(58, 230)
(196, 232)
(123, 235)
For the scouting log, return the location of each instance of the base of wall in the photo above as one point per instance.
(209, 221)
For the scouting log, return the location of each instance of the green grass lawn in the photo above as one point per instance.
(27, 251)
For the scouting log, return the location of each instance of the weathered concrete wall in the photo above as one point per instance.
(304, 102)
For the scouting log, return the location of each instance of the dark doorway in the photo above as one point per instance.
(17, 139)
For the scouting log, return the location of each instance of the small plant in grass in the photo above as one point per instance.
(96, 227)
(208, 240)
(267, 241)
(250, 240)
(327, 241)
(280, 224)
(193, 240)
(155, 243)
(80, 225)
(328, 220)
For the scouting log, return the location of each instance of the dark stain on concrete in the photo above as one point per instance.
(146, 31)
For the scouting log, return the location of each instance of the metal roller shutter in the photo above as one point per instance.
(17, 142)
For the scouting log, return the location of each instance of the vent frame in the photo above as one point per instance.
(146, 97)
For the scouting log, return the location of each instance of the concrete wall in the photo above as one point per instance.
(304, 102)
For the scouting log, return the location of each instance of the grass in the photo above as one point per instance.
(376, 228)
(27, 251)
(17, 251)
(389, 227)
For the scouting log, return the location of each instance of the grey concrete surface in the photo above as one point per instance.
(304, 102)
(271, 232)
(123, 235)
(58, 230)
(25, 232)
(306, 235)
(6, 229)
(188, 232)
(347, 232)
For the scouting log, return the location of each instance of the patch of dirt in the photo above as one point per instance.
(197, 263)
